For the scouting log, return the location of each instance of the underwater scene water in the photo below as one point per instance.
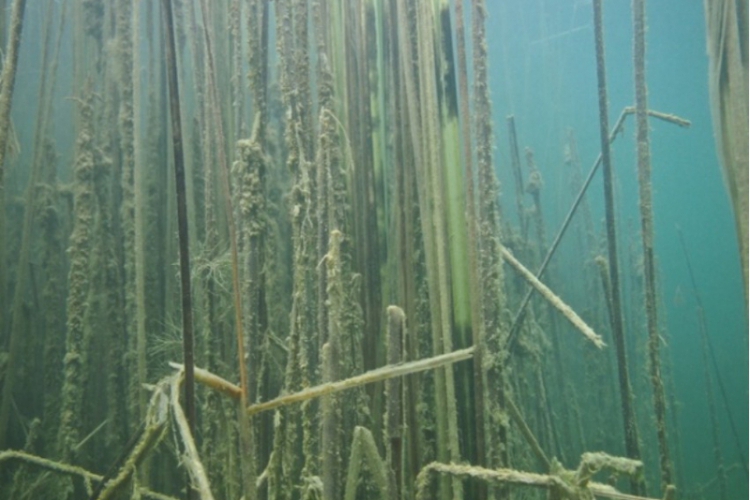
(375, 249)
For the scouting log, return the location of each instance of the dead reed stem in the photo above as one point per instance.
(553, 299)
(179, 169)
(191, 459)
(126, 130)
(573, 485)
(214, 112)
(156, 424)
(377, 375)
(70, 470)
(497, 476)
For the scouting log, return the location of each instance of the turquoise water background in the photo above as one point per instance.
(542, 70)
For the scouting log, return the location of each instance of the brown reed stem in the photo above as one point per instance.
(182, 221)
(632, 446)
(214, 112)
(191, 460)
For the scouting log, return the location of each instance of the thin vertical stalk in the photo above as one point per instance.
(182, 221)
(632, 448)
(647, 233)
(515, 163)
(213, 100)
(708, 353)
(6, 96)
(238, 96)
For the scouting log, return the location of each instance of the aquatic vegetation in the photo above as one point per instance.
(303, 200)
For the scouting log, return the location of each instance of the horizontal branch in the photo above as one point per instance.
(213, 381)
(667, 117)
(69, 470)
(503, 476)
(520, 478)
(377, 375)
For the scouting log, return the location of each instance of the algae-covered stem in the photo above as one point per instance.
(626, 398)
(647, 233)
(6, 94)
(182, 225)
(477, 321)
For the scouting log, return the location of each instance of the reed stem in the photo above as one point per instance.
(632, 447)
(647, 232)
(179, 172)
(6, 96)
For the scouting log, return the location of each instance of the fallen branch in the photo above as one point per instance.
(154, 430)
(70, 470)
(213, 381)
(553, 299)
(198, 477)
(559, 482)
(377, 375)
(667, 117)
(503, 476)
